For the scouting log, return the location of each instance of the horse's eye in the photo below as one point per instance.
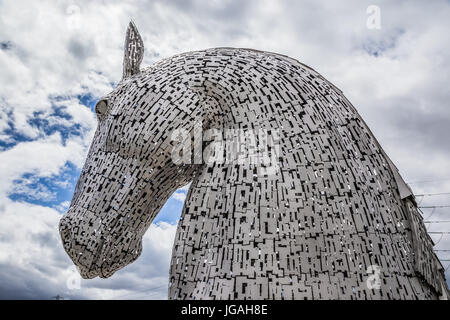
(101, 108)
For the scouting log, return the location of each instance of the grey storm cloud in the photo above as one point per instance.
(81, 50)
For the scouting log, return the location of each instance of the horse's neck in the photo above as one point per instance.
(327, 161)
(327, 210)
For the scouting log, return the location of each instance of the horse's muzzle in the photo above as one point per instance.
(92, 245)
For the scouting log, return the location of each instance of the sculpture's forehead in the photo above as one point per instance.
(129, 87)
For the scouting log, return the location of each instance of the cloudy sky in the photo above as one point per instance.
(58, 57)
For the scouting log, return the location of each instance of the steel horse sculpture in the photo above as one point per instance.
(329, 218)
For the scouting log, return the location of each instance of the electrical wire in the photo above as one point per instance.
(424, 181)
(432, 194)
(434, 207)
(436, 221)
(138, 291)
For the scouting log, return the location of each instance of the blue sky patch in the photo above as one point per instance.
(46, 191)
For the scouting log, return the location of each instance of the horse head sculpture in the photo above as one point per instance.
(291, 195)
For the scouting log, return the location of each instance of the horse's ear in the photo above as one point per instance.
(134, 51)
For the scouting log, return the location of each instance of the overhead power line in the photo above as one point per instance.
(437, 221)
(138, 291)
(423, 181)
(432, 207)
(432, 194)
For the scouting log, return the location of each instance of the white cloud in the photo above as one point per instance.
(44, 158)
(63, 206)
(180, 196)
(30, 247)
